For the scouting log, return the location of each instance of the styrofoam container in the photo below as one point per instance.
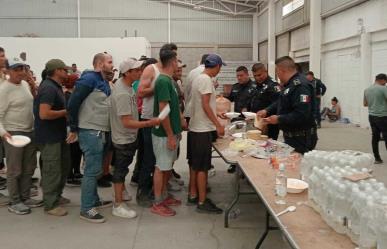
(296, 186)
(249, 115)
(231, 115)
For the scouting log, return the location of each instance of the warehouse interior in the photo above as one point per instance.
(344, 42)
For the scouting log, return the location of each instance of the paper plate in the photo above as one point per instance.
(19, 141)
(231, 115)
(249, 115)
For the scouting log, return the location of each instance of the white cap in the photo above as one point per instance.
(130, 63)
(15, 62)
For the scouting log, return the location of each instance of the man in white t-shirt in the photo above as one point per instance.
(204, 127)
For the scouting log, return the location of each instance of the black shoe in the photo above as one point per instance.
(231, 169)
(175, 174)
(35, 179)
(192, 201)
(78, 175)
(208, 207)
(103, 183)
(2, 165)
(144, 200)
(103, 204)
(92, 216)
(212, 166)
(108, 177)
(134, 181)
(378, 161)
(73, 182)
(3, 186)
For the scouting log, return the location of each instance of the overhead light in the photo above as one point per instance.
(197, 7)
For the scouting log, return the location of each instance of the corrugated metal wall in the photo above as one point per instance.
(100, 18)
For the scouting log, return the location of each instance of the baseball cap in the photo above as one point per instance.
(15, 62)
(181, 64)
(54, 64)
(130, 63)
(381, 76)
(213, 60)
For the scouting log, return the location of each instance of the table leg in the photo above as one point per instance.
(236, 198)
(267, 229)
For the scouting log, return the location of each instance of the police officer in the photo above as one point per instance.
(266, 93)
(319, 90)
(242, 92)
(293, 111)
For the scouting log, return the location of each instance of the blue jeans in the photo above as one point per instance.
(92, 144)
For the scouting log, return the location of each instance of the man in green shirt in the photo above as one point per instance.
(375, 98)
(165, 137)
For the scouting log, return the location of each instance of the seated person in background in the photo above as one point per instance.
(334, 113)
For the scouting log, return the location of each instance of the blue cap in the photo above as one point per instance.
(213, 60)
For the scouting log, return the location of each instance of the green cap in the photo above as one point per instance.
(53, 64)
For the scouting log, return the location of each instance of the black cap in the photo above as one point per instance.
(381, 76)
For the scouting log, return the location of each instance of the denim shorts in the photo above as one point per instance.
(164, 156)
(123, 157)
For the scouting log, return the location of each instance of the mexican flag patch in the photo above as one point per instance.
(304, 98)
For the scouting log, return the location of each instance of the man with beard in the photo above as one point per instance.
(89, 119)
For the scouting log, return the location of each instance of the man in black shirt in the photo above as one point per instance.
(242, 92)
(319, 91)
(293, 111)
(266, 93)
(50, 131)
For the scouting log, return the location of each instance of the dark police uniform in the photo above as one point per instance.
(319, 90)
(266, 94)
(241, 95)
(295, 108)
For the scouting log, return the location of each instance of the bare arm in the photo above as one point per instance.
(207, 109)
(365, 103)
(46, 113)
(145, 89)
(129, 122)
(166, 123)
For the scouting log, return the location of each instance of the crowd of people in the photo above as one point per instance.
(95, 120)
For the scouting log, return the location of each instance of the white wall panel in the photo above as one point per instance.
(263, 27)
(299, 39)
(341, 74)
(379, 58)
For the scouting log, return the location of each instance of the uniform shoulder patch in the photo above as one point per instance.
(296, 82)
(304, 98)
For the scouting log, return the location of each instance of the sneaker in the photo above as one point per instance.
(3, 171)
(173, 186)
(212, 171)
(3, 180)
(4, 200)
(103, 204)
(19, 208)
(177, 181)
(123, 211)
(92, 216)
(378, 161)
(78, 176)
(3, 186)
(208, 207)
(192, 201)
(73, 182)
(162, 210)
(125, 195)
(231, 169)
(64, 201)
(32, 203)
(171, 201)
(34, 192)
(35, 180)
(144, 200)
(103, 183)
(58, 211)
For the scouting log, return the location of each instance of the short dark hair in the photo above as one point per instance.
(310, 73)
(74, 64)
(381, 76)
(258, 66)
(203, 60)
(242, 68)
(149, 61)
(169, 46)
(2, 50)
(166, 56)
(286, 61)
(335, 99)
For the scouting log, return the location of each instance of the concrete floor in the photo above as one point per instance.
(187, 229)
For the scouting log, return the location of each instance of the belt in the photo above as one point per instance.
(301, 133)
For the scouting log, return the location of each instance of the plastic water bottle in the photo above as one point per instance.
(281, 185)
